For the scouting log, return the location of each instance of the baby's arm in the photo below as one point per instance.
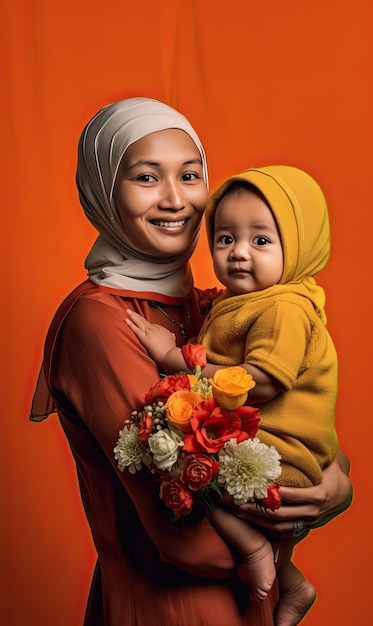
(161, 345)
(266, 387)
(159, 342)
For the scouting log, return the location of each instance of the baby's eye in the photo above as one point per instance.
(146, 178)
(225, 240)
(260, 241)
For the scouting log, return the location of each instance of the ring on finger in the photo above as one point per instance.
(298, 528)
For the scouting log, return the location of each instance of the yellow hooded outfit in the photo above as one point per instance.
(281, 329)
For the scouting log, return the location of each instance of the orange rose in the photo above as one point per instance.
(230, 387)
(179, 408)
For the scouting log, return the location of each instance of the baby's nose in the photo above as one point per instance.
(241, 252)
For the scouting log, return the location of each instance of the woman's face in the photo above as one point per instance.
(160, 192)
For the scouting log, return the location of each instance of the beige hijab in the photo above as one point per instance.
(113, 262)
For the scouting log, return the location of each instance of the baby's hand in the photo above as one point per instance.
(155, 338)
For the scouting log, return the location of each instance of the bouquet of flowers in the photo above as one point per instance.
(198, 436)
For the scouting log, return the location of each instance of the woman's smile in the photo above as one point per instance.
(169, 225)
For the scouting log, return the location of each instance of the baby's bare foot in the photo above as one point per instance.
(257, 571)
(295, 601)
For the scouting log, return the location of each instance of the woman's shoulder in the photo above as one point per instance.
(88, 295)
(86, 307)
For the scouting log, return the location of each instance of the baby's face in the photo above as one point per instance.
(247, 252)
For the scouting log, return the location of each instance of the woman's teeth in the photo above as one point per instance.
(170, 224)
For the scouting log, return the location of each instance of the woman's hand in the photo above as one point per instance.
(309, 507)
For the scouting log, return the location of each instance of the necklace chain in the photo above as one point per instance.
(180, 325)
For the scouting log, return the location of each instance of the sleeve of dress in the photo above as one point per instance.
(103, 371)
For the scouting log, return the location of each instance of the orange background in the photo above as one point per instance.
(263, 83)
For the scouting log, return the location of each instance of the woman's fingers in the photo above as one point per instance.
(308, 495)
(275, 525)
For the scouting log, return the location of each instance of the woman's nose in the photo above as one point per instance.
(172, 196)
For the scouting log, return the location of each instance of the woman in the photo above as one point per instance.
(142, 181)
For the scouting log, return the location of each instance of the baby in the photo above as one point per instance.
(268, 232)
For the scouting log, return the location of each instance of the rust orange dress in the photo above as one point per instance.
(149, 572)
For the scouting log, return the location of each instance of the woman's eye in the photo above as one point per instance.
(260, 241)
(225, 240)
(146, 178)
(189, 176)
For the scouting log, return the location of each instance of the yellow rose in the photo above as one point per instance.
(179, 408)
(230, 387)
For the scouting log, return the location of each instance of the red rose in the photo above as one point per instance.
(200, 470)
(166, 386)
(194, 354)
(176, 496)
(273, 499)
(213, 426)
(145, 427)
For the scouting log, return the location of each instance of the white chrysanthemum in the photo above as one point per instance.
(248, 468)
(129, 450)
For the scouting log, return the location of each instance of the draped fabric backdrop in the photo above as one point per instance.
(263, 83)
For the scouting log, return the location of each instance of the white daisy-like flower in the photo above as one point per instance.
(247, 469)
(129, 451)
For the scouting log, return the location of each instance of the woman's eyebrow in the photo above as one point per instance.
(146, 163)
(141, 163)
(195, 161)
